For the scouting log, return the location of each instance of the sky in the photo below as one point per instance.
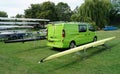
(13, 7)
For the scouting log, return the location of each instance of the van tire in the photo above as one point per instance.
(72, 45)
(94, 39)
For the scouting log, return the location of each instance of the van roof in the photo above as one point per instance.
(61, 22)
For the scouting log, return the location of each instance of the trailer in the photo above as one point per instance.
(25, 40)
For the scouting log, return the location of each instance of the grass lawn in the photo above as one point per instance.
(22, 58)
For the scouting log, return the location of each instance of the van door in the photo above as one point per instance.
(55, 32)
(91, 32)
(82, 38)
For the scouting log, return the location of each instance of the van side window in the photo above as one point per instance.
(91, 28)
(82, 28)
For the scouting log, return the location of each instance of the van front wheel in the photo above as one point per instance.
(72, 45)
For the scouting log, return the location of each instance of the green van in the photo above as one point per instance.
(70, 35)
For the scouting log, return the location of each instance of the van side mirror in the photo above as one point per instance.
(91, 28)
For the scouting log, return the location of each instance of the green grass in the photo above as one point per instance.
(22, 58)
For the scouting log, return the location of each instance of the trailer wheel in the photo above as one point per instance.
(72, 45)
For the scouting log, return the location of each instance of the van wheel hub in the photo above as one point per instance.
(72, 45)
(95, 39)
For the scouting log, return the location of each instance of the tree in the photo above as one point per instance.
(33, 11)
(114, 15)
(63, 11)
(3, 14)
(74, 16)
(48, 11)
(19, 16)
(95, 11)
(44, 10)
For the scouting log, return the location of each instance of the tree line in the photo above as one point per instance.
(48, 10)
(97, 12)
(3, 14)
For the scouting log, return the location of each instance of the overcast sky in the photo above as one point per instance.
(13, 7)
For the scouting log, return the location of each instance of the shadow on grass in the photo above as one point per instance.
(32, 49)
(80, 59)
(99, 50)
(59, 49)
